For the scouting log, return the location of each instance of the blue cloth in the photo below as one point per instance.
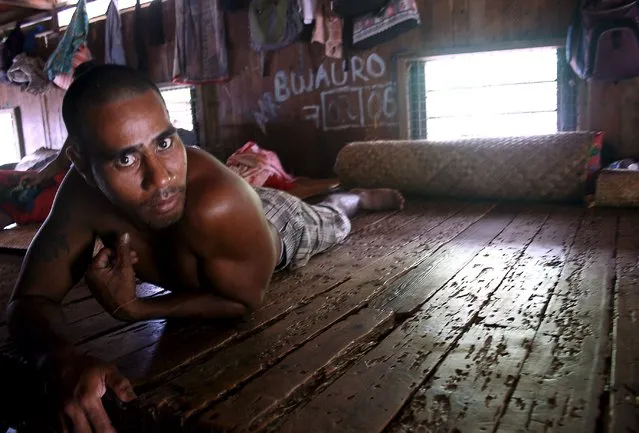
(113, 49)
(61, 60)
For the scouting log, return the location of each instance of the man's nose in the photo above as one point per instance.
(157, 175)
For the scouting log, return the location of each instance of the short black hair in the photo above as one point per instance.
(98, 85)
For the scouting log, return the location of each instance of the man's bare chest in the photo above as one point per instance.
(164, 259)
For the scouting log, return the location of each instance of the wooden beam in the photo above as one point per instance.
(31, 4)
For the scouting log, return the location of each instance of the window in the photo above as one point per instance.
(179, 103)
(488, 94)
(95, 9)
(10, 148)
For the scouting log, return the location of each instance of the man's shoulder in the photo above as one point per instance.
(75, 196)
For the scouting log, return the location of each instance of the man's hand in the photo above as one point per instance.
(111, 279)
(79, 382)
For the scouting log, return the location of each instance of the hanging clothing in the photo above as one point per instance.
(200, 43)
(156, 30)
(140, 39)
(82, 55)
(328, 30)
(61, 60)
(308, 8)
(113, 48)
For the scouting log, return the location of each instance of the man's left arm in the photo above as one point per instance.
(237, 257)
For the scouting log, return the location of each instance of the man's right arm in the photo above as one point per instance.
(55, 261)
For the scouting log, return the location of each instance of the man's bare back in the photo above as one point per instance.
(167, 215)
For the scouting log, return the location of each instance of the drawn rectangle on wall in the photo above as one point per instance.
(343, 108)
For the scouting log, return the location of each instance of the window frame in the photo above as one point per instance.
(194, 97)
(17, 129)
(567, 89)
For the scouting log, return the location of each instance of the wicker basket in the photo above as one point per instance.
(618, 188)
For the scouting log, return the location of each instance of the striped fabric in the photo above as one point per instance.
(306, 230)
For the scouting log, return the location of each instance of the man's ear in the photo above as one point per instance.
(80, 162)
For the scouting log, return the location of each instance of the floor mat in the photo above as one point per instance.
(18, 238)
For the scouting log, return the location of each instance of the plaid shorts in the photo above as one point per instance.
(305, 229)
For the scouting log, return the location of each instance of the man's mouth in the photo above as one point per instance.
(166, 201)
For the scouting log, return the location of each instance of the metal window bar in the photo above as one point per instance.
(417, 100)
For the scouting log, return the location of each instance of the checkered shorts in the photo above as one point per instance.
(305, 229)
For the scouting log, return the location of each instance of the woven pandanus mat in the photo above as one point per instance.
(547, 167)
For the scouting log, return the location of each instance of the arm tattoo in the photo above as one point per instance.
(54, 242)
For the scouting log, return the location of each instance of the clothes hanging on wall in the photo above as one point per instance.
(140, 39)
(328, 30)
(308, 8)
(61, 60)
(13, 45)
(83, 54)
(28, 73)
(200, 43)
(113, 48)
(373, 29)
(156, 27)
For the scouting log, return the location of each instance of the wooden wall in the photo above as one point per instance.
(307, 124)
(41, 116)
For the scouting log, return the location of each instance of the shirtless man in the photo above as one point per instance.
(167, 215)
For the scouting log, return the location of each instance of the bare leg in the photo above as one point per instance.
(365, 199)
(5, 219)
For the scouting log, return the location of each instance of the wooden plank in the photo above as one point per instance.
(369, 394)
(408, 294)
(296, 374)
(624, 403)
(30, 4)
(561, 381)
(469, 390)
(461, 23)
(476, 22)
(442, 33)
(426, 235)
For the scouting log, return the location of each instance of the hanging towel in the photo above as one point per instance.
(200, 43)
(156, 16)
(83, 54)
(60, 61)
(113, 48)
(140, 39)
(308, 8)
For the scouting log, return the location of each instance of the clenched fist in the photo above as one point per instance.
(111, 279)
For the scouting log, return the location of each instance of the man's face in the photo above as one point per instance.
(137, 158)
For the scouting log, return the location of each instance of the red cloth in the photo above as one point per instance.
(260, 167)
(27, 205)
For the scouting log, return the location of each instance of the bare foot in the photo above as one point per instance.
(379, 199)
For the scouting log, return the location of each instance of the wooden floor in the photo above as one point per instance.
(446, 317)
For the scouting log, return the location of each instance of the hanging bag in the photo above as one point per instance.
(603, 40)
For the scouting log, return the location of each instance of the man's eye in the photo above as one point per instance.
(126, 160)
(166, 143)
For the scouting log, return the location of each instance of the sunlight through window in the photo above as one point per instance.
(492, 94)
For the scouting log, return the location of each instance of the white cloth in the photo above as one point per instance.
(308, 10)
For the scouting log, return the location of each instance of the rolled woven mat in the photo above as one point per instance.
(618, 188)
(548, 167)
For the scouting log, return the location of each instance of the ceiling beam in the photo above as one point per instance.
(31, 4)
